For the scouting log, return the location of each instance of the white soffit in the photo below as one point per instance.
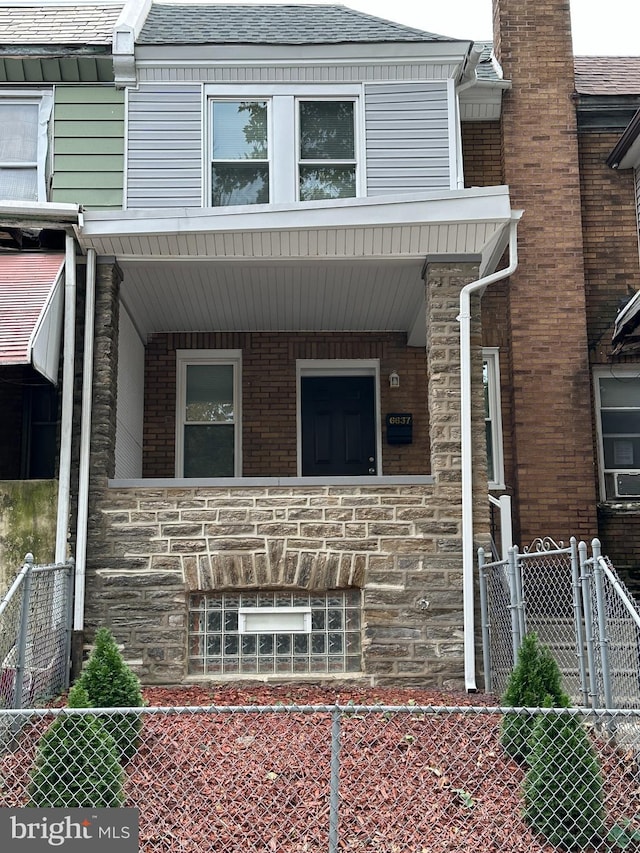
(462, 222)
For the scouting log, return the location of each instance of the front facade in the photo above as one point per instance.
(308, 354)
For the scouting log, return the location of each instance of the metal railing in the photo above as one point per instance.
(306, 779)
(35, 635)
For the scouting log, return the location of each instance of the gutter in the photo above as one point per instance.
(468, 554)
(66, 427)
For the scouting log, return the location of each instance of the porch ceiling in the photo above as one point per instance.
(365, 295)
(348, 265)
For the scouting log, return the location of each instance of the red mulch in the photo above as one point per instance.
(245, 782)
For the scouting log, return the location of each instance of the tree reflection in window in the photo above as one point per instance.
(327, 134)
(239, 134)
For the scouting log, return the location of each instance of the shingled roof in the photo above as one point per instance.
(607, 75)
(50, 23)
(260, 24)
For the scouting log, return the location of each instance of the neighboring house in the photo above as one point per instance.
(61, 147)
(294, 401)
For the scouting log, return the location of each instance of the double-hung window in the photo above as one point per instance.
(239, 152)
(327, 149)
(282, 144)
(23, 146)
(208, 413)
(617, 395)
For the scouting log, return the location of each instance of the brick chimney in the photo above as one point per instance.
(552, 422)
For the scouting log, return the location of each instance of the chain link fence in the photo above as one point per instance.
(35, 632)
(307, 779)
(616, 628)
(578, 607)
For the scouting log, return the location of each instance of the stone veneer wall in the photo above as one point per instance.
(396, 542)
(149, 547)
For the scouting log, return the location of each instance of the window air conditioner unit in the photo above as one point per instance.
(628, 485)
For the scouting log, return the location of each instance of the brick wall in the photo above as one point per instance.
(610, 238)
(482, 153)
(269, 413)
(552, 419)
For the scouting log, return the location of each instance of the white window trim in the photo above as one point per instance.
(339, 367)
(185, 357)
(45, 104)
(356, 161)
(282, 122)
(491, 355)
(618, 372)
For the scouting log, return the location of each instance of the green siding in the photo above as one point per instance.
(88, 147)
(99, 198)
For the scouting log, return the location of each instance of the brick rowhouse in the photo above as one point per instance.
(551, 425)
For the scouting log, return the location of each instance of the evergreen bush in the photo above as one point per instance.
(563, 788)
(110, 683)
(535, 677)
(76, 763)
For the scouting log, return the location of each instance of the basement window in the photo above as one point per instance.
(280, 633)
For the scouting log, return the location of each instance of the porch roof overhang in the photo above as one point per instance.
(31, 306)
(348, 265)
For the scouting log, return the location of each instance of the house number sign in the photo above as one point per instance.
(399, 428)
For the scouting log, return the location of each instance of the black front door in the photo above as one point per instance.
(338, 426)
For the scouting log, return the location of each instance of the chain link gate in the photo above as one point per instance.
(312, 779)
(578, 607)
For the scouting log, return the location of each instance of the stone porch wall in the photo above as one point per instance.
(395, 542)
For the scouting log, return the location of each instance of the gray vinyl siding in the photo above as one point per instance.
(164, 156)
(407, 137)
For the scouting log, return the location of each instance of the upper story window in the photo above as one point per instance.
(327, 141)
(240, 153)
(23, 146)
(282, 147)
(617, 395)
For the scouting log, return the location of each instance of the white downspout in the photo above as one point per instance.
(66, 417)
(466, 452)
(85, 444)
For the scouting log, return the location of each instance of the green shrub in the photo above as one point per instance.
(534, 678)
(563, 788)
(76, 763)
(110, 683)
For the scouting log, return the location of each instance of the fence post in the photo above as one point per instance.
(578, 619)
(585, 580)
(486, 625)
(23, 630)
(68, 621)
(602, 624)
(515, 603)
(334, 790)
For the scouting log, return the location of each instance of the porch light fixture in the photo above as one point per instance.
(394, 380)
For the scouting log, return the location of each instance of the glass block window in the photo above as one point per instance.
(330, 641)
